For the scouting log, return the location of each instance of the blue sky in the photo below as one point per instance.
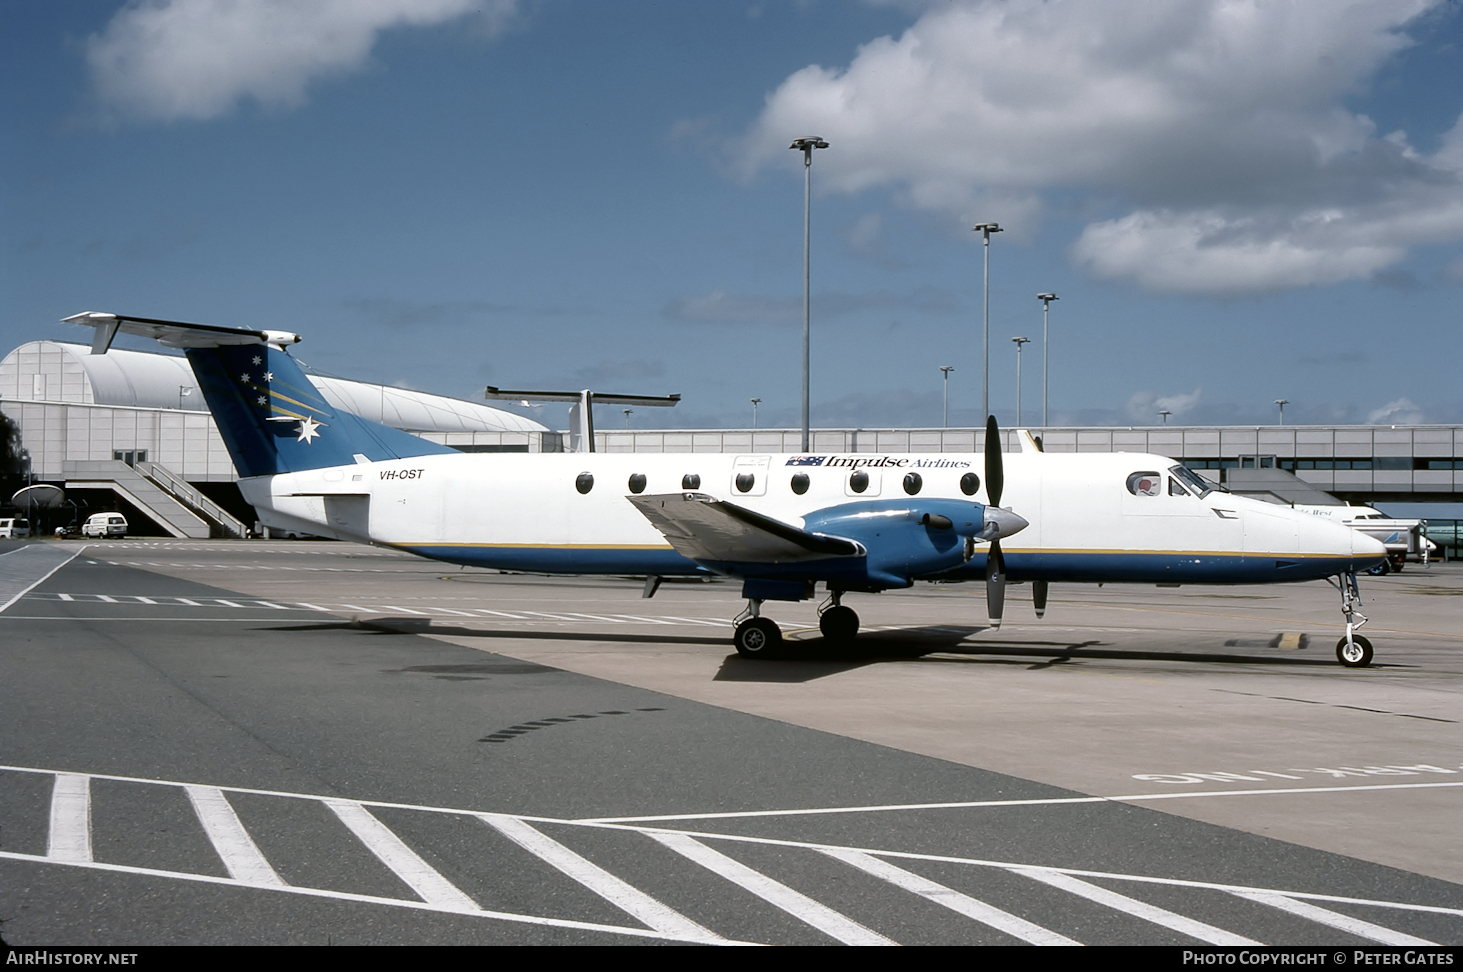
(1235, 201)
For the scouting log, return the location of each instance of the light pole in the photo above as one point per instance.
(806, 144)
(1282, 402)
(947, 369)
(627, 412)
(985, 355)
(1165, 413)
(755, 403)
(1046, 343)
(1019, 342)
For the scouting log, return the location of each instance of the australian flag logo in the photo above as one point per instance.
(806, 460)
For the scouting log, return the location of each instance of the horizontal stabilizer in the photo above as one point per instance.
(707, 529)
(174, 334)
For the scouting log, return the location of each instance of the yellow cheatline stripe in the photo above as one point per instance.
(1281, 555)
(276, 394)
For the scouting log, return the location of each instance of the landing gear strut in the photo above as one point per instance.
(756, 636)
(1353, 651)
(839, 624)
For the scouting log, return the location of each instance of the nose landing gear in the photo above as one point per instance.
(1353, 651)
(839, 624)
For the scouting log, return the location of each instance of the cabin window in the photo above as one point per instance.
(913, 483)
(800, 483)
(859, 481)
(637, 483)
(584, 482)
(745, 482)
(969, 483)
(1145, 484)
(691, 481)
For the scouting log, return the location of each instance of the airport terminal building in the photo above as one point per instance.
(132, 425)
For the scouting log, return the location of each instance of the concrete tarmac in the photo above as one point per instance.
(421, 753)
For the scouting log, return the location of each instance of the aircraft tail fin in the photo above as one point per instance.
(271, 416)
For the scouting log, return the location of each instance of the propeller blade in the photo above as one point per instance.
(1038, 596)
(995, 583)
(995, 477)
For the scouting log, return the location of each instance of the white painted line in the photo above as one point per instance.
(1054, 801)
(313, 607)
(106, 598)
(963, 904)
(714, 624)
(228, 603)
(234, 845)
(357, 607)
(795, 903)
(184, 600)
(144, 600)
(70, 836)
(622, 895)
(595, 617)
(393, 607)
(631, 617)
(501, 614)
(66, 597)
(271, 604)
(553, 617)
(40, 580)
(420, 876)
(363, 898)
(465, 614)
(1136, 908)
(1325, 916)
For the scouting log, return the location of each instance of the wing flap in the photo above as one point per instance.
(704, 528)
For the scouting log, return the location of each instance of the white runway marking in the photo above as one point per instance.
(795, 903)
(1325, 916)
(622, 895)
(418, 875)
(950, 898)
(70, 834)
(70, 845)
(237, 850)
(1138, 909)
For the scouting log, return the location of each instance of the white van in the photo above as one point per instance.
(14, 529)
(105, 525)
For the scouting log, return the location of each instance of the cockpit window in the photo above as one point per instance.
(1145, 483)
(1198, 485)
(1174, 489)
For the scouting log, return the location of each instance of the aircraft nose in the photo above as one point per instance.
(1363, 546)
(1001, 523)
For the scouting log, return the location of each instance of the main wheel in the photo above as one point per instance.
(757, 638)
(1355, 655)
(1380, 570)
(839, 624)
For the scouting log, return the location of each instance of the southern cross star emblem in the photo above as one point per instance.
(262, 400)
(269, 376)
(244, 378)
(258, 360)
(308, 433)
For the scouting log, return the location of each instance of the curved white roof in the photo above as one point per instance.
(60, 372)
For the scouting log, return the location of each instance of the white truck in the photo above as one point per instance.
(1403, 538)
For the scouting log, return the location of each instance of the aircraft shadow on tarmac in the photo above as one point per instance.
(805, 656)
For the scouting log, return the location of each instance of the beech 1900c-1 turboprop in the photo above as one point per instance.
(781, 524)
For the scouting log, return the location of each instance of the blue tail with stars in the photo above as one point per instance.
(274, 420)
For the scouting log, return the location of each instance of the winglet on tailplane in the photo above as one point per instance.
(271, 416)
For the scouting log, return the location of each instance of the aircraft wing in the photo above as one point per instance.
(704, 528)
(173, 334)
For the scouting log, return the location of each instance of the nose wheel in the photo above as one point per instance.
(839, 624)
(1356, 653)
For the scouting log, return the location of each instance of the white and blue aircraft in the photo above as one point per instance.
(782, 524)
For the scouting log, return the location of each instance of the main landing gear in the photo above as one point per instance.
(759, 637)
(1353, 651)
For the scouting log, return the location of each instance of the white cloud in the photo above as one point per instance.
(1217, 129)
(196, 59)
(1400, 412)
(1144, 406)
